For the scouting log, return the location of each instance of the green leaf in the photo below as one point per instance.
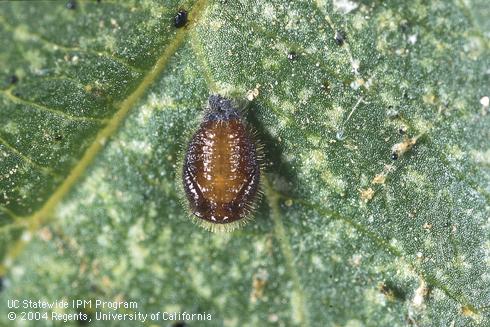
(108, 93)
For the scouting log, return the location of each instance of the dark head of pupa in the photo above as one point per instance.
(220, 109)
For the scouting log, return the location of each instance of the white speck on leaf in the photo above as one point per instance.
(344, 6)
(485, 101)
(412, 39)
(420, 293)
(252, 94)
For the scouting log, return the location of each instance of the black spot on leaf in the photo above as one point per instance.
(292, 56)
(392, 291)
(326, 86)
(58, 137)
(180, 19)
(339, 37)
(12, 79)
(72, 4)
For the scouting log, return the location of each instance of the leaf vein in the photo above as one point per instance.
(28, 160)
(384, 245)
(39, 217)
(54, 46)
(28, 103)
(300, 313)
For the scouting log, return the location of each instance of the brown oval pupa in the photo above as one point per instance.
(221, 170)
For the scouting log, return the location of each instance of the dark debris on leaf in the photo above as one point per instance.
(72, 4)
(180, 19)
(292, 56)
(339, 37)
(392, 291)
(58, 137)
(326, 86)
(12, 79)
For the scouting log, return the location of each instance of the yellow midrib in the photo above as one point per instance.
(40, 216)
